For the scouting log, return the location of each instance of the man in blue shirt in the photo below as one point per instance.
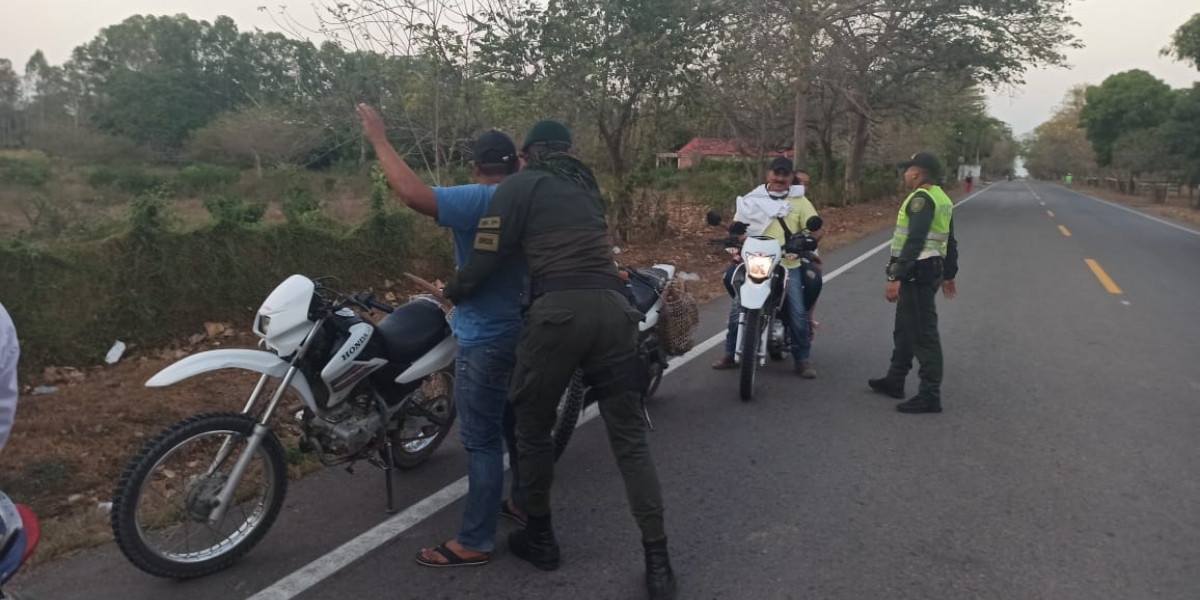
(488, 327)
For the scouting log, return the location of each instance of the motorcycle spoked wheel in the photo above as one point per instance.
(411, 447)
(750, 341)
(570, 406)
(157, 497)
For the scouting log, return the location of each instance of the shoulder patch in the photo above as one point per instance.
(917, 203)
(489, 223)
(488, 242)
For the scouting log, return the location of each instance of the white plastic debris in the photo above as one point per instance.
(42, 390)
(689, 277)
(105, 507)
(115, 353)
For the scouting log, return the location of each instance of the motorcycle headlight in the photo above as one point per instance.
(264, 322)
(758, 266)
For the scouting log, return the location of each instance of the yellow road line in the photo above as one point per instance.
(1105, 280)
(1064, 230)
(1051, 213)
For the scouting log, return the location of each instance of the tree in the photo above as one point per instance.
(619, 61)
(255, 136)
(10, 86)
(1122, 104)
(1060, 145)
(1185, 43)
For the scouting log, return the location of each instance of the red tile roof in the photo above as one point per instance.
(719, 147)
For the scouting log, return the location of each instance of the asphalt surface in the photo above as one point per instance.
(1066, 465)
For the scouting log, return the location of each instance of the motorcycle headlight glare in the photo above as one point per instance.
(758, 266)
(264, 323)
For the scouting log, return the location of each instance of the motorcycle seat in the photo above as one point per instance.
(412, 330)
(645, 292)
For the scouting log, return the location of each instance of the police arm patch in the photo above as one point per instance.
(917, 203)
(489, 242)
(489, 223)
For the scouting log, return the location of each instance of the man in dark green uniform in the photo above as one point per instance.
(552, 212)
(924, 258)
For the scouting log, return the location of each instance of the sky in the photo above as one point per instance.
(1117, 34)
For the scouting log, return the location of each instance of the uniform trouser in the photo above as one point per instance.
(595, 330)
(916, 330)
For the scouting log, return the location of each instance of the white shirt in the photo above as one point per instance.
(9, 351)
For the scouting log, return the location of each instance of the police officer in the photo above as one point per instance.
(553, 213)
(924, 258)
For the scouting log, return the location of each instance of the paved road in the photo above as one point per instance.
(1064, 467)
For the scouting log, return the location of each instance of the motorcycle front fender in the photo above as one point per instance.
(215, 360)
(754, 296)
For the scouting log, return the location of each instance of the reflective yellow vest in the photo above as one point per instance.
(939, 230)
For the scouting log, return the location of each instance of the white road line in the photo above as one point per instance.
(321, 568)
(1138, 213)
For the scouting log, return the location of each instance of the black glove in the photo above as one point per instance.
(738, 228)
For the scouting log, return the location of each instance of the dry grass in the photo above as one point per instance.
(1175, 207)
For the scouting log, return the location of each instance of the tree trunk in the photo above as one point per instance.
(803, 29)
(854, 166)
(258, 165)
(623, 196)
(800, 130)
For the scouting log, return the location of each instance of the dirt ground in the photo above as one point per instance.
(68, 447)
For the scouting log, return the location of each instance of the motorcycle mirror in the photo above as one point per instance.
(814, 223)
(713, 218)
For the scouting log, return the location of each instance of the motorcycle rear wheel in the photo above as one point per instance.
(157, 485)
(412, 447)
(570, 406)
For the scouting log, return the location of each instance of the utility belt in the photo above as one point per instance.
(558, 283)
(927, 270)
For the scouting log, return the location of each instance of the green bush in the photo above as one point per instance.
(201, 178)
(231, 211)
(31, 172)
(127, 178)
(148, 212)
(299, 202)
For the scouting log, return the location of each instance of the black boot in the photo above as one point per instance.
(920, 404)
(660, 578)
(883, 385)
(536, 543)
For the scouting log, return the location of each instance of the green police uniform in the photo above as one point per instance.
(579, 318)
(924, 253)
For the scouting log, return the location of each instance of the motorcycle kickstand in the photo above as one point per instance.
(389, 463)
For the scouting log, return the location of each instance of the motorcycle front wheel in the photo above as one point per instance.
(162, 506)
(750, 338)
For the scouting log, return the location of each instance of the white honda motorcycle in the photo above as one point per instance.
(761, 282)
(202, 493)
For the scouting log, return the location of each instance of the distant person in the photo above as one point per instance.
(970, 180)
(1069, 179)
(9, 353)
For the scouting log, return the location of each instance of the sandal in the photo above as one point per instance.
(507, 511)
(452, 559)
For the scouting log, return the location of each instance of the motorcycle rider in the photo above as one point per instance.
(813, 270)
(487, 328)
(553, 213)
(765, 211)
